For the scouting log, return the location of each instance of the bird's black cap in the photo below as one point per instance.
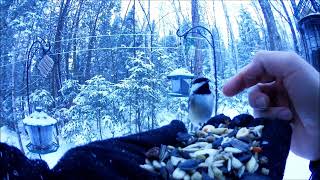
(200, 79)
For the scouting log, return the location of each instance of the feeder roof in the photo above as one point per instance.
(311, 16)
(39, 119)
(180, 73)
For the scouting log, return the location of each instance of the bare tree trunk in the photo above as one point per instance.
(74, 41)
(273, 34)
(198, 61)
(92, 40)
(294, 36)
(295, 10)
(16, 127)
(261, 24)
(315, 5)
(234, 49)
(134, 29)
(220, 62)
(99, 123)
(67, 55)
(182, 56)
(57, 46)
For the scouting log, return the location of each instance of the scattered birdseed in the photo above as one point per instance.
(215, 152)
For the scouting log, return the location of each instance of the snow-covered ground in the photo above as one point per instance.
(296, 167)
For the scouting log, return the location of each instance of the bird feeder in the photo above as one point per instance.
(40, 128)
(45, 65)
(180, 79)
(309, 27)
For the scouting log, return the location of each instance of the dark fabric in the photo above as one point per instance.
(14, 165)
(315, 170)
(117, 158)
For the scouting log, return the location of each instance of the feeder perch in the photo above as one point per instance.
(40, 128)
(179, 80)
(309, 27)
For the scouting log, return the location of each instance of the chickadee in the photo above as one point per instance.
(200, 101)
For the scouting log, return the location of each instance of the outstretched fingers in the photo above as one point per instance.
(265, 67)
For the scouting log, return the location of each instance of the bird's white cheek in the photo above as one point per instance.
(195, 87)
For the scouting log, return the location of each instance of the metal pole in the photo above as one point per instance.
(185, 34)
(41, 42)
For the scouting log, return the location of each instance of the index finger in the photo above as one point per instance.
(266, 66)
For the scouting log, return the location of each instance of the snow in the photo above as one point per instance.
(296, 167)
(53, 158)
(180, 72)
(39, 119)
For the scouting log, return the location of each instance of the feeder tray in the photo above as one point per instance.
(43, 150)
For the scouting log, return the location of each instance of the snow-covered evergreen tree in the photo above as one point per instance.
(249, 37)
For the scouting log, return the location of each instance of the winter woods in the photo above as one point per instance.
(111, 58)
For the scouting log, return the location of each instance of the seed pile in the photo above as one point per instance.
(212, 153)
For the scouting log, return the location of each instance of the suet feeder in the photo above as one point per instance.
(40, 128)
(309, 27)
(45, 65)
(180, 79)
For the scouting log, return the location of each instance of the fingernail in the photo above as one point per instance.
(285, 114)
(261, 102)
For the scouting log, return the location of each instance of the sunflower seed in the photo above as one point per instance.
(243, 132)
(156, 164)
(208, 128)
(178, 174)
(204, 152)
(196, 176)
(265, 171)
(175, 160)
(219, 131)
(236, 163)
(189, 164)
(147, 167)
(232, 150)
(186, 177)
(252, 165)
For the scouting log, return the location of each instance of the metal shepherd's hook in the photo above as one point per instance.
(185, 34)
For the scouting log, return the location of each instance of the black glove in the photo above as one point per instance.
(117, 158)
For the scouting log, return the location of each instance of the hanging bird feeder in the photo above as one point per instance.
(180, 79)
(309, 27)
(45, 66)
(40, 128)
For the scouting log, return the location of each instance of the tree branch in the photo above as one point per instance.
(279, 12)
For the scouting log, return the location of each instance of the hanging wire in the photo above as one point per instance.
(8, 94)
(112, 48)
(13, 52)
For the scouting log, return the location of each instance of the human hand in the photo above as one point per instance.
(284, 86)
